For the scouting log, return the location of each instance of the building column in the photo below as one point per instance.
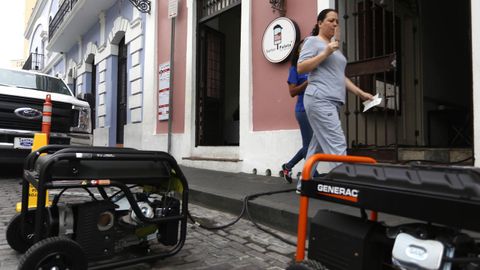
(246, 85)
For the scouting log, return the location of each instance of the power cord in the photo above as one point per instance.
(244, 211)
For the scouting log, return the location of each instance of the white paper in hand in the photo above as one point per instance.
(372, 103)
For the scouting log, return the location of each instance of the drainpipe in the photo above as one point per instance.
(172, 14)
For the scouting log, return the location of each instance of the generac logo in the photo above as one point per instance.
(347, 194)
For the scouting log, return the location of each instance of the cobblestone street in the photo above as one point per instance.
(241, 246)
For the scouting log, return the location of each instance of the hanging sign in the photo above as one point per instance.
(163, 90)
(279, 39)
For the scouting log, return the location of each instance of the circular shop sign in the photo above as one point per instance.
(279, 39)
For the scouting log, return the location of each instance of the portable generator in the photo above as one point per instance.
(440, 201)
(139, 213)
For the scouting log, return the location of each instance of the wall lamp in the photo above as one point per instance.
(278, 5)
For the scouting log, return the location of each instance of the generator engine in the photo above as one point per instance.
(344, 242)
(104, 228)
(425, 246)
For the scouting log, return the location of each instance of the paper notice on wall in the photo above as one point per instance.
(163, 91)
(163, 98)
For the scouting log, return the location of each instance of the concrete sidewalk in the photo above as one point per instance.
(226, 192)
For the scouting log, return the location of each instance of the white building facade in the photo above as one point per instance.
(97, 47)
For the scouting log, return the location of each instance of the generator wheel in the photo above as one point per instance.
(307, 265)
(18, 241)
(54, 253)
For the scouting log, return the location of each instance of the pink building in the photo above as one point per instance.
(231, 106)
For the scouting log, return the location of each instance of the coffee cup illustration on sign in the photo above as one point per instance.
(277, 34)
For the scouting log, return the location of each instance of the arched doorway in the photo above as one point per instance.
(121, 120)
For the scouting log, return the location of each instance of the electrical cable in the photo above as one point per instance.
(120, 191)
(56, 198)
(245, 210)
(220, 227)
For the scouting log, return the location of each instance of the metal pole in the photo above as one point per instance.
(170, 95)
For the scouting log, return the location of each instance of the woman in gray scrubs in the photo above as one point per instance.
(325, 93)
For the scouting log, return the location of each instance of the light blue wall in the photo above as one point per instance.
(111, 79)
(87, 82)
(59, 67)
(92, 35)
(120, 9)
(73, 54)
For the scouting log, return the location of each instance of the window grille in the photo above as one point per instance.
(210, 8)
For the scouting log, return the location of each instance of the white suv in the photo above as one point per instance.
(22, 94)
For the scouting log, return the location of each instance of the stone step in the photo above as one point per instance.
(460, 156)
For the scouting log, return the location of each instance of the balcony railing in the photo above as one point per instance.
(210, 8)
(34, 62)
(55, 23)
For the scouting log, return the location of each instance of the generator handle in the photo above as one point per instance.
(307, 175)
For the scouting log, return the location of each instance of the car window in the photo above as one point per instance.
(57, 86)
(33, 81)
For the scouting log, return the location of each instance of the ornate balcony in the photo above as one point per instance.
(73, 19)
(34, 62)
(63, 11)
